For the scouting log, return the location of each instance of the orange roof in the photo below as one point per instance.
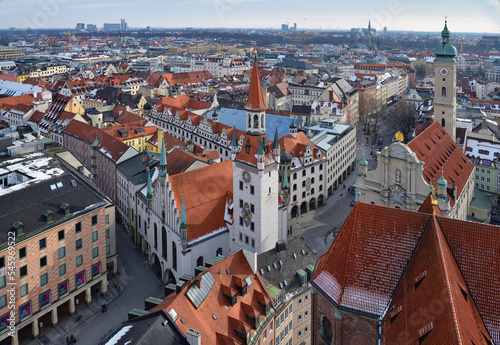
(183, 102)
(251, 156)
(26, 99)
(179, 160)
(186, 78)
(131, 128)
(255, 100)
(297, 147)
(441, 155)
(428, 208)
(169, 140)
(205, 190)
(221, 329)
(128, 116)
(377, 250)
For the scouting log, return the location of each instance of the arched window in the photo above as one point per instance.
(443, 92)
(164, 243)
(218, 252)
(443, 122)
(256, 121)
(156, 237)
(174, 256)
(326, 329)
(199, 261)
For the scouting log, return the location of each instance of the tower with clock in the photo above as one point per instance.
(258, 220)
(445, 76)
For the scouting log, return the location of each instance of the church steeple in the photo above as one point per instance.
(276, 145)
(234, 144)
(255, 106)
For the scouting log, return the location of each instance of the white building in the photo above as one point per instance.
(219, 66)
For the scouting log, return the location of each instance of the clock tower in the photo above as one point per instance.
(445, 84)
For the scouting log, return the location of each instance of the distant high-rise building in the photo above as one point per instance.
(91, 28)
(111, 27)
(295, 26)
(385, 30)
(80, 26)
(284, 27)
(123, 25)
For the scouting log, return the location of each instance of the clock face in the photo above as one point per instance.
(443, 71)
(245, 175)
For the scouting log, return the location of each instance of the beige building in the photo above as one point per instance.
(407, 173)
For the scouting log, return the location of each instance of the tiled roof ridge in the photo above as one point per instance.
(437, 228)
(348, 258)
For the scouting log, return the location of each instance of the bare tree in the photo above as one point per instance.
(365, 114)
(377, 116)
(402, 117)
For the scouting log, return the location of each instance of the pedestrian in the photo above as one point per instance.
(73, 339)
(67, 341)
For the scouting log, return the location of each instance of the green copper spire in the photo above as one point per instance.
(184, 223)
(149, 193)
(276, 144)
(234, 141)
(163, 158)
(285, 178)
(363, 162)
(442, 182)
(445, 52)
(260, 149)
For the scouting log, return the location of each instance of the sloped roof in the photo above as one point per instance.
(251, 156)
(221, 330)
(255, 101)
(180, 160)
(107, 145)
(296, 147)
(433, 282)
(373, 250)
(183, 102)
(205, 192)
(440, 155)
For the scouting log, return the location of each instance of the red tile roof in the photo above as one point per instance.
(297, 146)
(205, 195)
(377, 250)
(222, 330)
(180, 160)
(109, 146)
(183, 102)
(187, 78)
(251, 156)
(433, 282)
(26, 99)
(169, 140)
(255, 100)
(8, 76)
(130, 127)
(440, 155)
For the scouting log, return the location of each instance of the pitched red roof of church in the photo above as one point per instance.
(376, 246)
(433, 282)
(441, 155)
(205, 190)
(255, 100)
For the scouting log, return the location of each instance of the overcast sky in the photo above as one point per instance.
(424, 15)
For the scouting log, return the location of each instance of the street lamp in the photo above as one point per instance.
(76, 308)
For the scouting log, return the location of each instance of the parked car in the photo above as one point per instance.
(353, 203)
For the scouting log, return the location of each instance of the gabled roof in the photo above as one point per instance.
(250, 157)
(180, 160)
(205, 190)
(440, 154)
(367, 260)
(433, 282)
(183, 102)
(221, 329)
(107, 145)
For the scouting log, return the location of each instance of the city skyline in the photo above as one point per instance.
(479, 17)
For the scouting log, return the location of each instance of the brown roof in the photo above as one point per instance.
(8, 76)
(255, 100)
(180, 160)
(182, 102)
(130, 127)
(221, 330)
(441, 155)
(377, 250)
(205, 195)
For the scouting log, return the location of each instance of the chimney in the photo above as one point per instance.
(280, 246)
(193, 337)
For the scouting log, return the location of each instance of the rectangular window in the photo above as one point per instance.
(241, 185)
(246, 239)
(3, 301)
(253, 243)
(3, 282)
(78, 227)
(95, 236)
(42, 244)
(108, 249)
(107, 233)
(44, 279)
(24, 290)
(79, 261)
(60, 235)
(252, 190)
(22, 253)
(241, 203)
(252, 226)
(241, 221)
(252, 208)
(23, 271)
(43, 261)
(107, 219)
(94, 220)
(62, 270)
(95, 252)
(78, 244)
(61, 252)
